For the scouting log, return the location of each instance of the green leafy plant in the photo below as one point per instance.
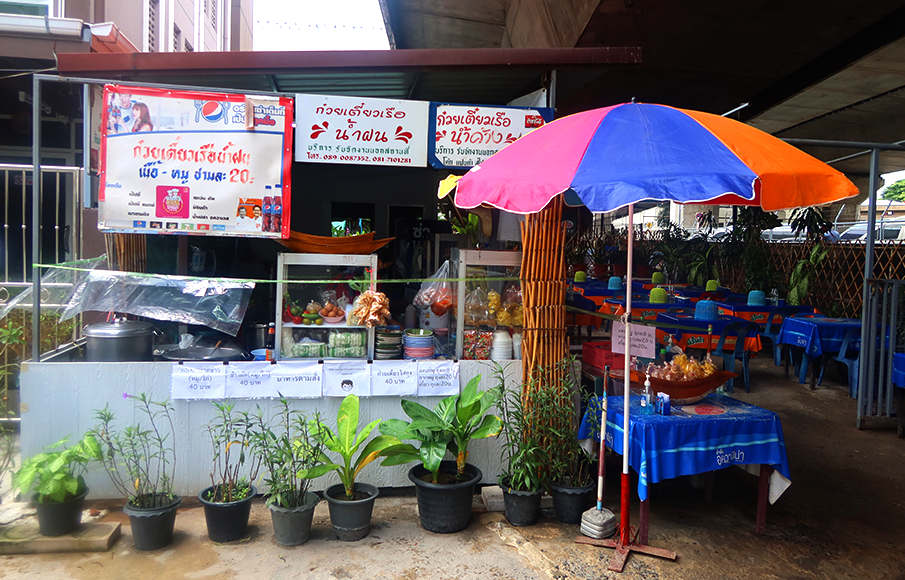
(526, 459)
(896, 191)
(286, 447)
(235, 463)
(745, 254)
(140, 459)
(454, 422)
(702, 266)
(800, 279)
(58, 475)
(345, 442)
(11, 336)
(809, 220)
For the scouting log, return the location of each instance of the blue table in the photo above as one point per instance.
(685, 339)
(712, 434)
(815, 336)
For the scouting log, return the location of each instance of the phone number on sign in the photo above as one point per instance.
(365, 158)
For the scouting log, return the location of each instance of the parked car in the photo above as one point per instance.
(886, 231)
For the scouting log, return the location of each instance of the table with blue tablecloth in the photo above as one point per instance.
(816, 336)
(754, 313)
(708, 330)
(714, 433)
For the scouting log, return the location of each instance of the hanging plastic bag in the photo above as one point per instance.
(436, 292)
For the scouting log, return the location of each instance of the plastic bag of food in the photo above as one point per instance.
(476, 344)
(371, 309)
(435, 292)
(477, 308)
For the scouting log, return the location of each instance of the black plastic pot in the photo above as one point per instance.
(292, 526)
(56, 518)
(351, 520)
(226, 522)
(445, 508)
(522, 508)
(569, 503)
(152, 528)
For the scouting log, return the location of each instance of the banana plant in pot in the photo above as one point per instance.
(227, 502)
(351, 503)
(58, 480)
(287, 447)
(141, 462)
(444, 489)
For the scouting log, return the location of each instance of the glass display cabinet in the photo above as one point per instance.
(488, 315)
(312, 319)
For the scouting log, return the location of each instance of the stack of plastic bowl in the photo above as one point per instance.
(502, 345)
(615, 283)
(757, 298)
(388, 342)
(658, 296)
(517, 345)
(706, 310)
(419, 343)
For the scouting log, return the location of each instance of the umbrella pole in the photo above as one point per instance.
(624, 544)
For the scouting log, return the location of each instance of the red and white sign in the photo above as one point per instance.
(187, 162)
(361, 131)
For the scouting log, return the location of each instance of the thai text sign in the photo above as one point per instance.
(361, 131)
(644, 340)
(188, 162)
(466, 135)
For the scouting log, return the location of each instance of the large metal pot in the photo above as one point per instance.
(255, 336)
(120, 341)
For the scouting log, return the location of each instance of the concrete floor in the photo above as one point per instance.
(841, 518)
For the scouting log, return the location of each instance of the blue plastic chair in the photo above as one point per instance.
(742, 329)
(851, 359)
(773, 327)
(803, 361)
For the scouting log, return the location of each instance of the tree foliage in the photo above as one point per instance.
(896, 191)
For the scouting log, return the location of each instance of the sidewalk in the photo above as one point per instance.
(841, 518)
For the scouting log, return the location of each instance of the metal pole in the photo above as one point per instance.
(36, 219)
(86, 151)
(864, 387)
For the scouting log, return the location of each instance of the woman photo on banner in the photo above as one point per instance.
(142, 117)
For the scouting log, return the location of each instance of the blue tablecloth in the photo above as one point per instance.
(714, 433)
(817, 335)
(756, 314)
(898, 369)
(690, 321)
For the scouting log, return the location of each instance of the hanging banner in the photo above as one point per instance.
(187, 162)
(466, 135)
(361, 131)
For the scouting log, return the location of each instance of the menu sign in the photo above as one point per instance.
(361, 131)
(466, 135)
(189, 162)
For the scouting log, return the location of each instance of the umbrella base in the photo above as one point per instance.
(617, 562)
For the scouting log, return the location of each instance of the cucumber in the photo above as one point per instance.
(314, 316)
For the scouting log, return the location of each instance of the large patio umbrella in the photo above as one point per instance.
(617, 156)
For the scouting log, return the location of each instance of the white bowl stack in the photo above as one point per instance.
(502, 345)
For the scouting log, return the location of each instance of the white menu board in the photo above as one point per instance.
(438, 378)
(198, 380)
(300, 379)
(394, 378)
(343, 377)
(361, 131)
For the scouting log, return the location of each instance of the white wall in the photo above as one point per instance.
(59, 399)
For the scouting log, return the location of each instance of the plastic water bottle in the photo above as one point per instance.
(774, 297)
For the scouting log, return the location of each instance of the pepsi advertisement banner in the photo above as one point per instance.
(194, 163)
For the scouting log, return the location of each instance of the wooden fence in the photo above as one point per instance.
(836, 287)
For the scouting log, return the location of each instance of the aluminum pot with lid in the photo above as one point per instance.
(119, 341)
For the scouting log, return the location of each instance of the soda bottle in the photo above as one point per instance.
(268, 210)
(276, 219)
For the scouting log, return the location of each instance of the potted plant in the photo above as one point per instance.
(570, 466)
(444, 488)
(58, 480)
(524, 453)
(600, 248)
(287, 447)
(350, 502)
(575, 252)
(141, 463)
(227, 502)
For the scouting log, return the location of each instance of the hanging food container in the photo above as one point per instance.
(119, 341)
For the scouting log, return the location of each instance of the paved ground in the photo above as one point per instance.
(842, 518)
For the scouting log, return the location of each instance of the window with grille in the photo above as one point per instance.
(153, 6)
(214, 14)
(177, 37)
(189, 47)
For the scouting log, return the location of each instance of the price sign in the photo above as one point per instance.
(644, 340)
(297, 379)
(198, 380)
(344, 377)
(438, 378)
(249, 380)
(394, 378)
